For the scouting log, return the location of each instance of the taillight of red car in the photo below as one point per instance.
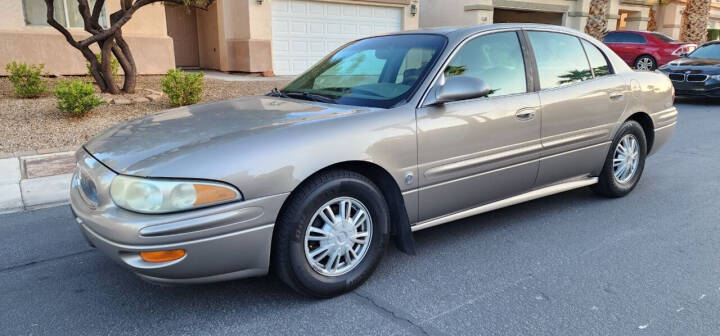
(684, 49)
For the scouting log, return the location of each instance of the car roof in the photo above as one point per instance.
(643, 32)
(461, 31)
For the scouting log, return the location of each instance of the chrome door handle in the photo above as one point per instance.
(525, 114)
(616, 95)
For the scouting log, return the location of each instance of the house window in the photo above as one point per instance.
(66, 13)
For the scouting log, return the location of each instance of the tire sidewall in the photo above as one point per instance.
(369, 196)
(634, 128)
(654, 62)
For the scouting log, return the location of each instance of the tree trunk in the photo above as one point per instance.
(597, 19)
(110, 39)
(694, 21)
(105, 66)
(127, 62)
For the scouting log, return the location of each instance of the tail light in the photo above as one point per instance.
(673, 93)
(684, 49)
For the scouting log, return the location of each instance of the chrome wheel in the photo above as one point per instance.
(626, 158)
(338, 236)
(645, 63)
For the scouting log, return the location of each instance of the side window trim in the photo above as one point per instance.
(611, 67)
(587, 57)
(531, 67)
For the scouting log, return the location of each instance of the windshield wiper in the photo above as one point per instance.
(276, 93)
(311, 96)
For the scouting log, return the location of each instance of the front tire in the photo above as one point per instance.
(646, 62)
(624, 163)
(331, 235)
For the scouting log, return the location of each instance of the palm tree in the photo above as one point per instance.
(597, 19)
(694, 21)
(652, 24)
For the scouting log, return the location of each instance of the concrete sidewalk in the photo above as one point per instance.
(34, 181)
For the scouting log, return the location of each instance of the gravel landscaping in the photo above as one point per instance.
(37, 125)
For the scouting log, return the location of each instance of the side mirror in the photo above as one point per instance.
(461, 88)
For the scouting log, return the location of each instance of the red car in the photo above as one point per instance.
(646, 50)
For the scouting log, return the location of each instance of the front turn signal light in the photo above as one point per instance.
(210, 194)
(162, 256)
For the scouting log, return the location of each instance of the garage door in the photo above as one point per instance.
(305, 31)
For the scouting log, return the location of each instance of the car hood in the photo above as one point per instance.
(133, 147)
(680, 64)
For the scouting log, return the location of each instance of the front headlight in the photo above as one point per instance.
(715, 77)
(155, 196)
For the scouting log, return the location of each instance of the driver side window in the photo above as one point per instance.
(496, 59)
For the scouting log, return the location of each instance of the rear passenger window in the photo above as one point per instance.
(611, 38)
(597, 59)
(624, 37)
(560, 59)
(497, 59)
(636, 38)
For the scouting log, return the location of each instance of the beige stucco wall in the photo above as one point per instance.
(208, 37)
(236, 35)
(473, 12)
(146, 33)
(477, 12)
(12, 18)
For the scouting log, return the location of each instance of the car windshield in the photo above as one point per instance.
(707, 51)
(663, 37)
(375, 72)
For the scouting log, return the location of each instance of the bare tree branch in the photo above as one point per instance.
(110, 40)
(126, 15)
(97, 10)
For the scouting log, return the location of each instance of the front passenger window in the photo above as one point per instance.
(496, 59)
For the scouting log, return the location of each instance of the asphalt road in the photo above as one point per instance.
(570, 264)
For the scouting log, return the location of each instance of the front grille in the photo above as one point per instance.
(697, 78)
(677, 77)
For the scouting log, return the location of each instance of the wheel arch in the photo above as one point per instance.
(648, 127)
(399, 220)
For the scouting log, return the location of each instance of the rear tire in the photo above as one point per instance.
(624, 163)
(645, 62)
(307, 237)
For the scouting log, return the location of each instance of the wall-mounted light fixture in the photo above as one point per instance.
(413, 9)
(259, 2)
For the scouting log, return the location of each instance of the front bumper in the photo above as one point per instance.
(222, 242)
(706, 88)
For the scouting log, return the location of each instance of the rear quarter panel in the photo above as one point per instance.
(650, 93)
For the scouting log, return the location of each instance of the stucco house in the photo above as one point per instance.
(622, 14)
(231, 35)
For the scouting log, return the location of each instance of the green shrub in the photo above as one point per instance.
(76, 97)
(114, 64)
(183, 88)
(26, 79)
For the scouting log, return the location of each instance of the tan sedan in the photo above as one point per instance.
(387, 135)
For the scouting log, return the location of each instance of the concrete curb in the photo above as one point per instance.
(33, 180)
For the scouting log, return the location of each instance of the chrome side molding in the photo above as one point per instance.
(528, 196)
